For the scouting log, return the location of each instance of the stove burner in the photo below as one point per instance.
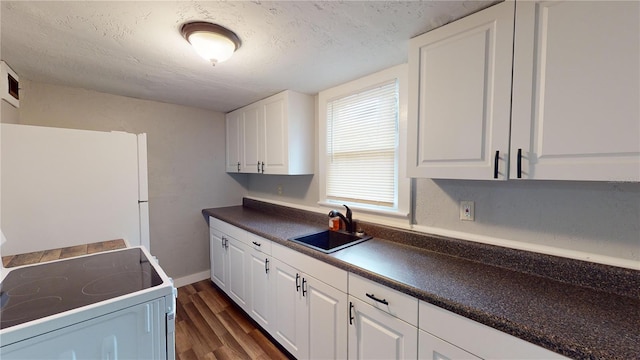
(31, 308)
(116, 284)
(34, 287)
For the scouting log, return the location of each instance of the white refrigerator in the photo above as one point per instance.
(67, 187)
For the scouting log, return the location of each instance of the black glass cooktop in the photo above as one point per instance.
(41, 290)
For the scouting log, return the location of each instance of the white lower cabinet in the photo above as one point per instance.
(229, 256)
(382, 321)
(259, 285)
(137, 332)
(375, 334)
(310, 315)
(318, 311)
(218, 259)
(288, 317)
(238, 285)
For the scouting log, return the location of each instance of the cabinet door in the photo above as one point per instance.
(232, 122)
(137, 332)
(275, 146)
(218, 258)
(288, 326)
(432, 348)
(576, 91)
(459, 98)
(238, 260)
(327, 319)
(260, 288)
(252, 121)
(374, 334)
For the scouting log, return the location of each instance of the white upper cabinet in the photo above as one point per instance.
(276, 136)
(571, 113)
(250, 135)
(233, 158)
(576, 96)
(459, 98)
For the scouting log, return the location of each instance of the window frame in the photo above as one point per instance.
(399, 74)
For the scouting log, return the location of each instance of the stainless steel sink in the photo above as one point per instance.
(329, 241)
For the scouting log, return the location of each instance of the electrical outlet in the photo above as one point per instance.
(279, 189)
(467, 211)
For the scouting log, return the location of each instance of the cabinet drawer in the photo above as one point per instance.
(259, 243)
(481, 340)
(228, 229)
(328, 274)
(402, 306)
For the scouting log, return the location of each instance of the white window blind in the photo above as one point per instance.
(362, 141)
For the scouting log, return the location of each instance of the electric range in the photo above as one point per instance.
(37, 299)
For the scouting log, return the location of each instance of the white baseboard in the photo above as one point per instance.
(190, 279)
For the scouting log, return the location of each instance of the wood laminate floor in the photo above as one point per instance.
(209, 326)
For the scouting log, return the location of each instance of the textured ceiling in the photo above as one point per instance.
(134, 48)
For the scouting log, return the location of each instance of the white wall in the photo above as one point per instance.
(599, 218)
(186, 153)
(9, 113)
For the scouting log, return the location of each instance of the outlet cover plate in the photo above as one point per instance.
(467, 211)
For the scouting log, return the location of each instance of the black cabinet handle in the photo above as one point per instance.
(222, 239)
(495, 164)
(351, 313)
(263, 167)
(266, 266)
(373, 297)
(258, 166)
(256, 243)
(238, 166)
(297, 282)
(519, 164)
(304, 286)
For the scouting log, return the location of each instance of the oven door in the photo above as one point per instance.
(135, 332)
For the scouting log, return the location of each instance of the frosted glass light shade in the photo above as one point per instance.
(213, 42)
(213, 47)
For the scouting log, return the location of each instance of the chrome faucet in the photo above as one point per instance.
(348, 220)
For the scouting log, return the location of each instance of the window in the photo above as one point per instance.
(360, 151)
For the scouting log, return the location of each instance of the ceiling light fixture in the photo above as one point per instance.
(211, 41)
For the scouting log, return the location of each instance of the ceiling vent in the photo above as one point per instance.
(10, 85)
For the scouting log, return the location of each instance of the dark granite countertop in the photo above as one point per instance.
(580, 310)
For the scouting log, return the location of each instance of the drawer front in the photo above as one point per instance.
(476, 338)
(259, 243)
(393, 302)
(228, 229)
(327, 273)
